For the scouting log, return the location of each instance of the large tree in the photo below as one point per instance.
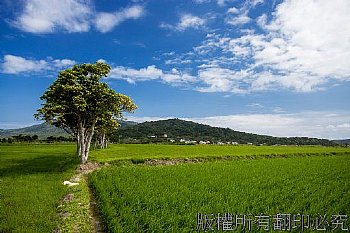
(77, 100)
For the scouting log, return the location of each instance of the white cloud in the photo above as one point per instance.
(16, 64)
(223, 80)
(186, 21)
(15, 125)
(102, 60)
(303, 124)
(201, 1)
(278, 110)
(105, 22)
(238, 20)
(42, 16)
(255, 106)
(233, 10)
(303, 47)
(174, 77)
(256, 2)
(308, 124)
(312, 38)
(132, 75)
(223, 2)
(63, 63)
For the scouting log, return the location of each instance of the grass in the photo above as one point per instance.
(141, 152)
(141, 198)
(31, 185)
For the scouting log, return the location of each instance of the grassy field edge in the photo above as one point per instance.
(196, 159)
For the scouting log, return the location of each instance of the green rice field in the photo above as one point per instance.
(143, 198)
(135, 196)
(139, 152)
(167, 198)
(31, 178)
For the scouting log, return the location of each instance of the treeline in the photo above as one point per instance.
(35, 138)
(175, 130)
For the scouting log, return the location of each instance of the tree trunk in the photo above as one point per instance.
(95, 144)
(85, 142)
(103, 142)
(106, 142)
(78, 145)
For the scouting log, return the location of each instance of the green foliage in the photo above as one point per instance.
(31, 185)
(78, 95)
(51, 139)
(179, 129)
(25, 138)
(168, 198)
(78, 101)
(153, 151)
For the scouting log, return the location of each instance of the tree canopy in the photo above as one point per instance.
(77, 100)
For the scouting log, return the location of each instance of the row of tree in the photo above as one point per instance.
(35, 138)
(83, 106)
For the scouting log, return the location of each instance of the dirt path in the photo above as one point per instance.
(94, 213)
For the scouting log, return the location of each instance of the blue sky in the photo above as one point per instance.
(278, 67)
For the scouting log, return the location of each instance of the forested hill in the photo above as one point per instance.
(175, 129)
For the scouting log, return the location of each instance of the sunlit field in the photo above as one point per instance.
(134, 196)
(141, 198)
(31, 178)
(141, 152)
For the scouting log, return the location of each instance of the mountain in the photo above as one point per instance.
(175, 129)
(179, 129)
(42, 130)
(45, 130)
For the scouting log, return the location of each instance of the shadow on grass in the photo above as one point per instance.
(42, 164)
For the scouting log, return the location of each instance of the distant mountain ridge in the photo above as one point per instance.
(42, 130)
(45, 130)
(177, 129)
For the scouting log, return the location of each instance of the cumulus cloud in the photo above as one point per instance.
(223, 2)
(302, 47)
(233, 10)
(105, 22)
(223, 80)
(42, 16)
(186, 21)
(304, 124)
(238, 20)
(131, 75)
(16, 64)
